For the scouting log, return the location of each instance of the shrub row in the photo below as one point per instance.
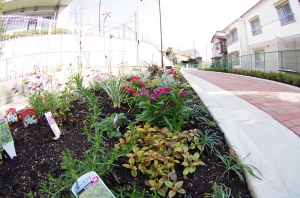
(274, 76)
(33, 32)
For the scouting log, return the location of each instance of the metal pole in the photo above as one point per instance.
(99, 16)
(161, 44)
(206, 56)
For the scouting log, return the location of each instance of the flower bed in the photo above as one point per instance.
(147, 135)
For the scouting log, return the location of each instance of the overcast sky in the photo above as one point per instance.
(184, 22)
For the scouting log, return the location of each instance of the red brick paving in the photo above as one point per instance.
(277, 100)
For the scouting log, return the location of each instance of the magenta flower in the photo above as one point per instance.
(111, 36)
(134, 94)
(184, 93)
(180, 79)
(144, 91)
(169, 105)
(127, 90)
(142, 83)
(160, 91)
(134, 78)
(167, 89)
(153, 96)
(107, 14)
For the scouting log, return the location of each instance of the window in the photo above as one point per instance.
(233, 58)
(285, 14)
(256, 28)
(217, 46)
(234, 36)
(259, 58)
(229, 39)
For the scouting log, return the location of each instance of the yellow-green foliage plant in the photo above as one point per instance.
(156, 152)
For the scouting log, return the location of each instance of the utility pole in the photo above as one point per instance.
(206, 56)
(99, 16)
(137, 33)
(161, 43)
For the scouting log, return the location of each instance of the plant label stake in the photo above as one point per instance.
(90, 185)
(116, 122)
(53, 125)
(11, 115)
(6, 140)
(28, 117)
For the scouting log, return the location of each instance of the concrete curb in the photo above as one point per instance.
(274, 148)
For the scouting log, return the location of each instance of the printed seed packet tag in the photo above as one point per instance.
(116, 122)
(90, 185)
(28, 117)
(53, 124)
(6, 140)
(11, 115)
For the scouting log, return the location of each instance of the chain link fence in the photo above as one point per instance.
(286, 60)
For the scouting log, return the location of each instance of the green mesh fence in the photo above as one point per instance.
(287, 60)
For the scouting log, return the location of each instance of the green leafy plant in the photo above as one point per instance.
(109, 125)
(209, 141)
(165, 108)
(131, 192)
(233, 162)
(219, 191)
(174, 185)
(156, 152)
(112, 87)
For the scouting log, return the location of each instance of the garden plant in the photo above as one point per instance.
(145, 134)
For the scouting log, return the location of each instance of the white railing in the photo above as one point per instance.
(35, 44)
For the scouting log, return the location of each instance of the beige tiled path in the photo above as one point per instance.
(280, 101)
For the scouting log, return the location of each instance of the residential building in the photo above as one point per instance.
(57, 10)
(219, 48)
(266, 37)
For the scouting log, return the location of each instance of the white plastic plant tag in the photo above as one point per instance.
(116, 122)
(10, 149)
(6, 140)
(90, 185)
(53, 124)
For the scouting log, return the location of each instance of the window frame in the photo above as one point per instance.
(234, 39)
(261, 61)
(257, 25)
(284, 20)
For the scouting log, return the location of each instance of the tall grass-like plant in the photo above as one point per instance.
(219, 191)
(209, 141)
(113, 87)
(233, 162)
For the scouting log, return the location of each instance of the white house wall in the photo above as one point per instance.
(270, 23)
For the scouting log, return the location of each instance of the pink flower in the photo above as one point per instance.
(127, 90)
(180, 79)
(184, 93)
(142, 83)
(15, 88)
(167, 89)
(134, 94)
(144, 91)
(134, 78)
(169, 105)
(111, 36)
(153, 96)
(172, 72)
(160, 91)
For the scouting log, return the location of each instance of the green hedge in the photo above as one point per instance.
(33, 33)
(274, 76)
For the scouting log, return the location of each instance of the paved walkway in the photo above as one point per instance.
(257, 116)
(279, 100)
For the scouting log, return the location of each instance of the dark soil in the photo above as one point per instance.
(38, 154)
